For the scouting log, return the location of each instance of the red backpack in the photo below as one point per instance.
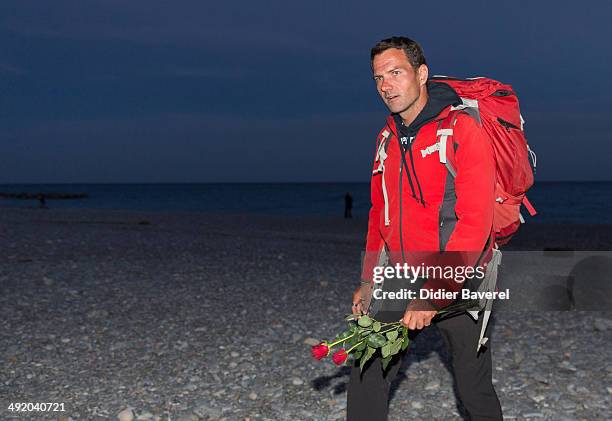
(496, 107)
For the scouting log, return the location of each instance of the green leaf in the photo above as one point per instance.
(376, 327)
(405, 343)
(351, 317)
(358, 355)
(368, 354)
(386, 349)
(352, 327)
(385, 362)
(376, 340)
(404, 331)
(361, 346)
(364, 332)
(396, 346)
(392, 335)
(364, 321)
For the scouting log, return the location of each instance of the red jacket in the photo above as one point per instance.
(429, 211)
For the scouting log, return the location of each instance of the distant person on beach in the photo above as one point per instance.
(348, 205)
(42, 203)
(418, 206)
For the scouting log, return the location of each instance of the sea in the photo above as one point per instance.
(556, 202)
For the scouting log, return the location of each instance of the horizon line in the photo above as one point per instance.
(251, 182)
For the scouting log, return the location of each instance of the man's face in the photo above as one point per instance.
(400, 86)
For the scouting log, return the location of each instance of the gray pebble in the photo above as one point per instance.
(126, 415)
(312, 341)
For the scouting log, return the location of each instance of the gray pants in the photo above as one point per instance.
(368, 392)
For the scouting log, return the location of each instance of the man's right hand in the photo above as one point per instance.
(359, 298)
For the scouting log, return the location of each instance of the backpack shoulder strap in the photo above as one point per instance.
(446, 148)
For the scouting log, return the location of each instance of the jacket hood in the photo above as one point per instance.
(440, 96)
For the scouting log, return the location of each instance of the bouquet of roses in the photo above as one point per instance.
(365, 336)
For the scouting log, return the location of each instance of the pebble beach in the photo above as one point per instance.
(185, 316)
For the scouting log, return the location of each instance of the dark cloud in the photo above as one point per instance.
(158, 91)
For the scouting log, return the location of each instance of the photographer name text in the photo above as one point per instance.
(441, 294)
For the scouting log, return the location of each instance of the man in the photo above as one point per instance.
(417, 206)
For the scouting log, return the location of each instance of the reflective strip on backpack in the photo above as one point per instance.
(450, 77)
(469, 106)
(443, 134)
(381, 155)
(467, 103)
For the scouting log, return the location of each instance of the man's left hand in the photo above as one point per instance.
(418, 319)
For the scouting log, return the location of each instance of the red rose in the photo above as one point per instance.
(320, 351)
(340, 356)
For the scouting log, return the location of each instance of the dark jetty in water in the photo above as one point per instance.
(38, 196)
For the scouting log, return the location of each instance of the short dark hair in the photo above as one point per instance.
(411, 48)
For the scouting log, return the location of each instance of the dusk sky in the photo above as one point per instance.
(199, 91)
